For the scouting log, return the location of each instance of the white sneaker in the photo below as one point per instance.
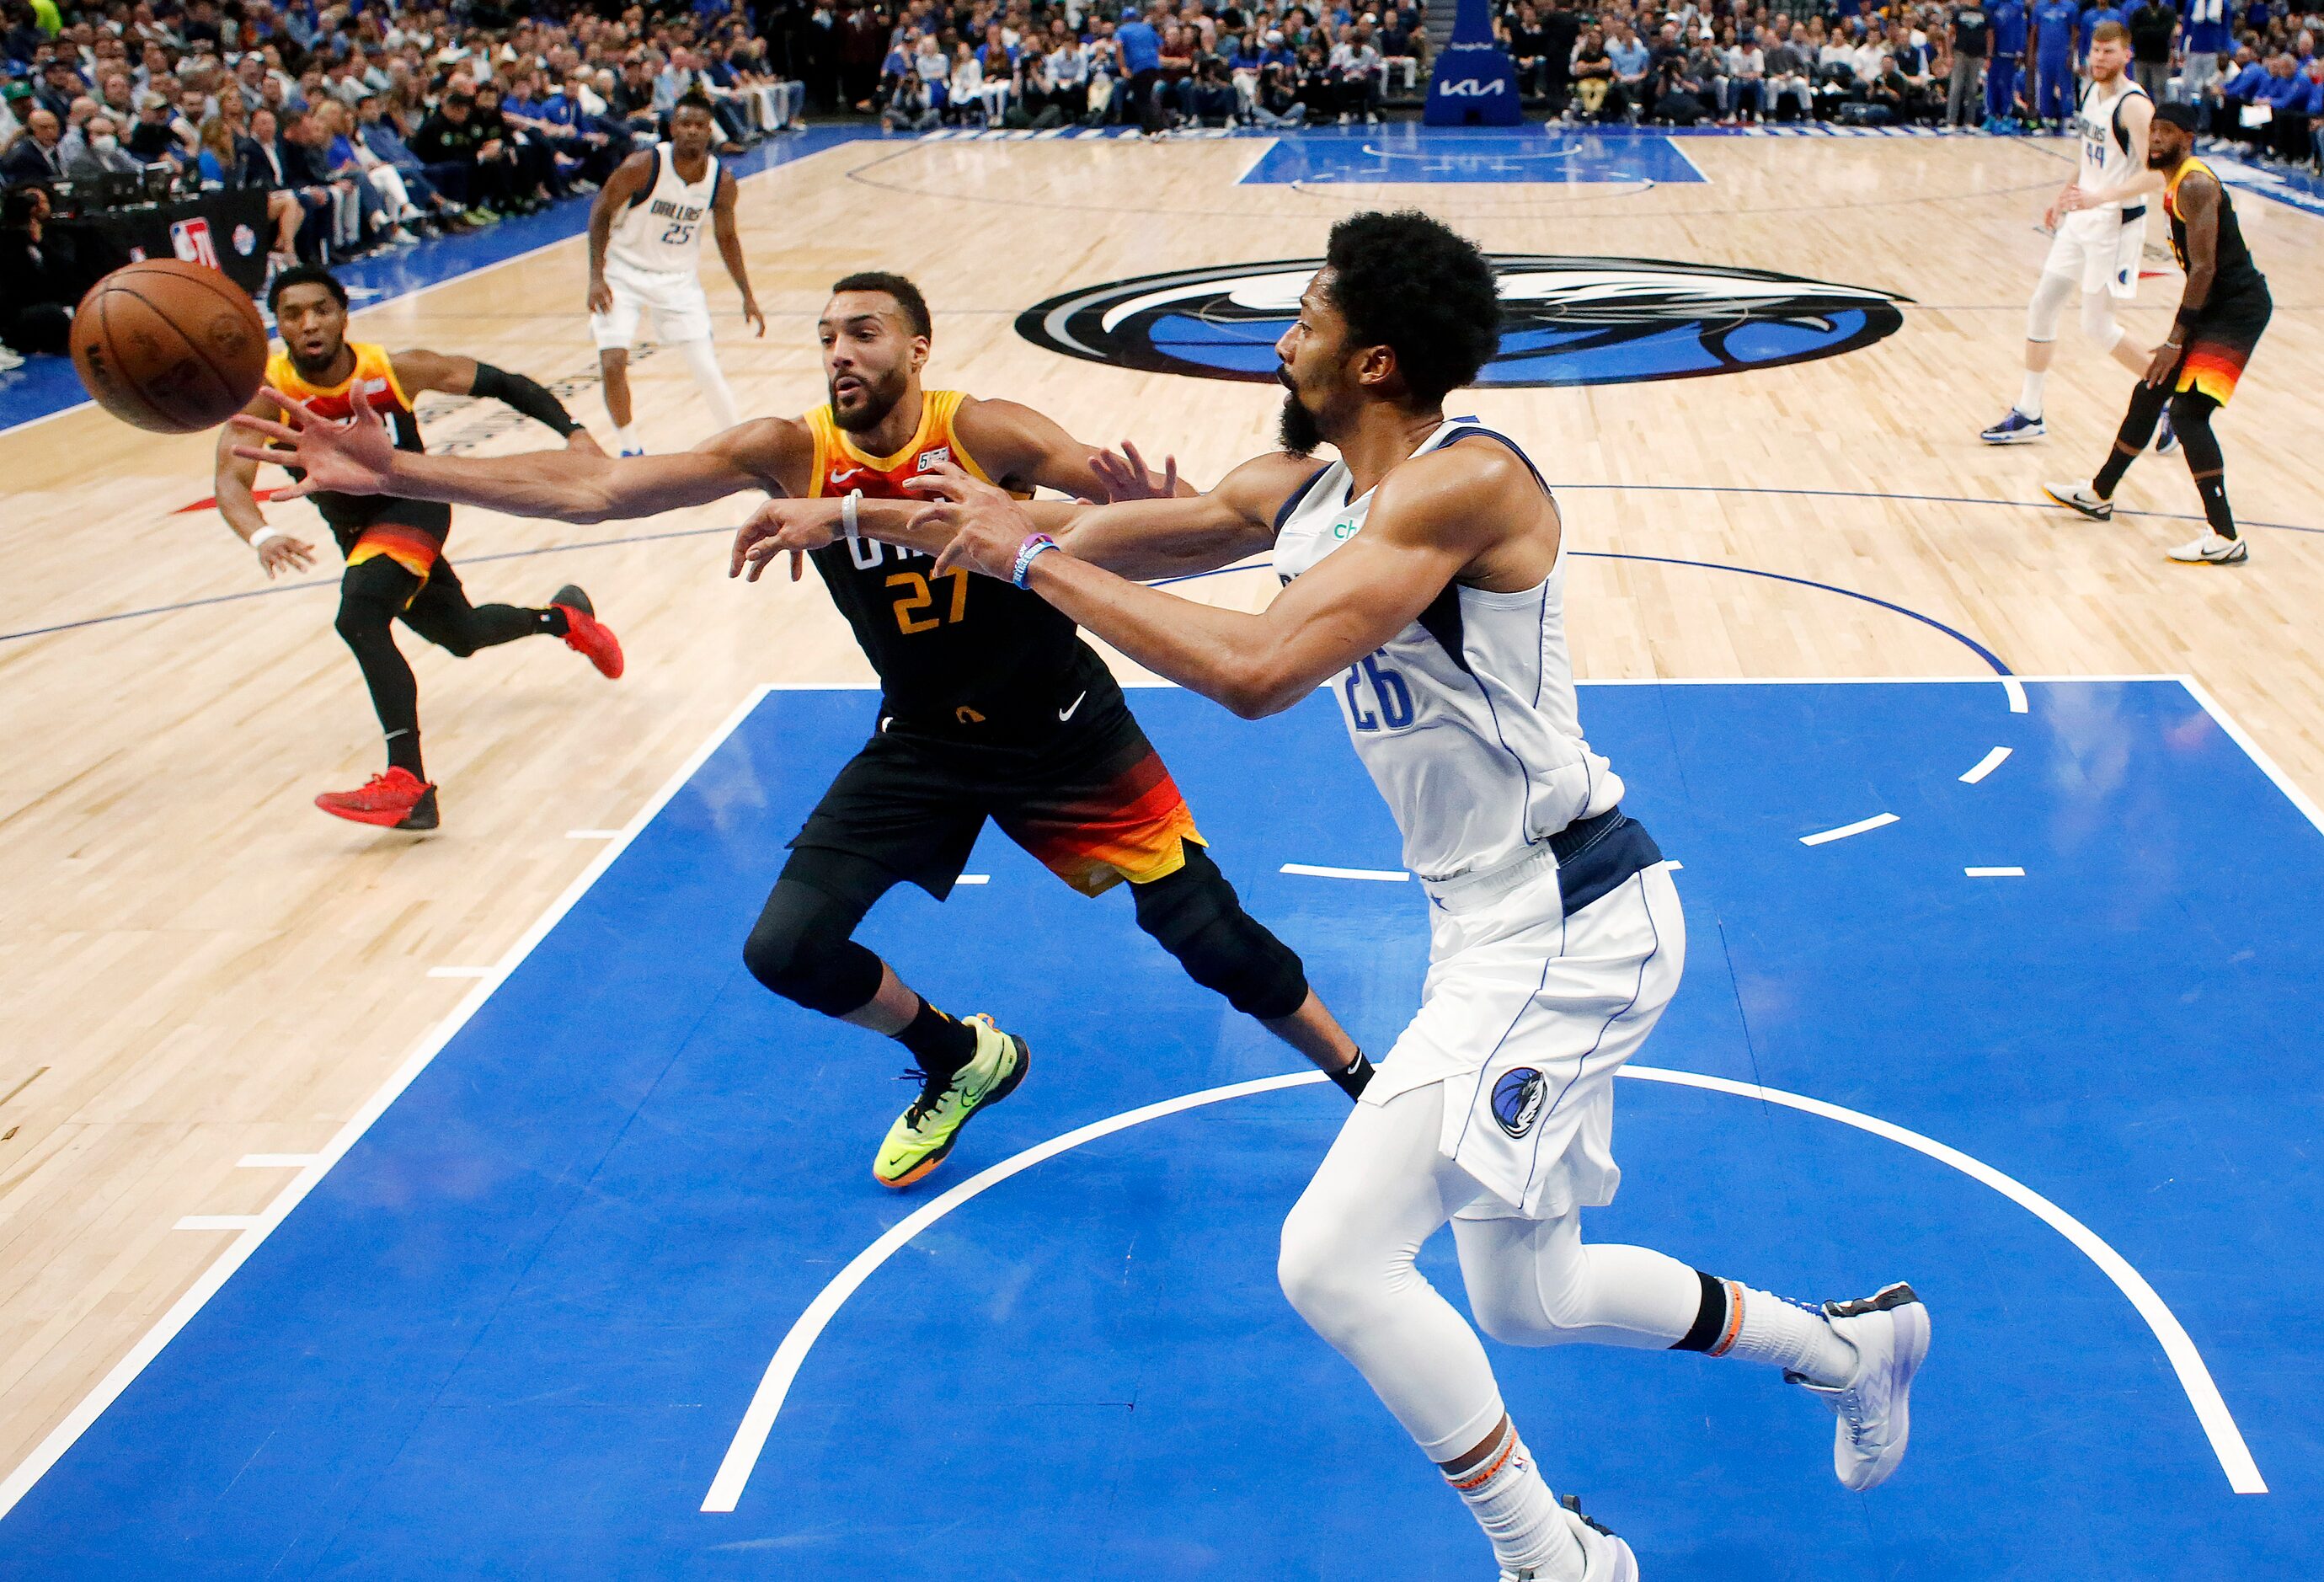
(1890, 1332)
(1604, 1557)
(2211, 549)
(10, 361)
(2082, 497)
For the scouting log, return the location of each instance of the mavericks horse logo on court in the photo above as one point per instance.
(1517, 1100)
(1566, 320)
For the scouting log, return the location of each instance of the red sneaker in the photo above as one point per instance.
(586, 635)
(398, 799)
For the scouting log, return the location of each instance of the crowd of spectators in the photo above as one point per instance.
(1153, 70)
(367, 125)
(1998, 66)
(373, 124)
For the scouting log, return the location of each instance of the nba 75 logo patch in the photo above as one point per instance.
(1564, 320)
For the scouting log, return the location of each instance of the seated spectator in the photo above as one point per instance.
(1746, 80)
(35, 156)
(153, 136)
(1598, 96)
(441, 189)
(100, 153)
(1358, 63)
(452, 136)
(911, 106)
(41, 277)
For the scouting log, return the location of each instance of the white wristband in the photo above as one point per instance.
(265, 536)
(847, 514)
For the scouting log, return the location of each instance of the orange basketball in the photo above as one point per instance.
(171, 346)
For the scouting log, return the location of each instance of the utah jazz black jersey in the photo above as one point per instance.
(2235, 276)
(956, 650)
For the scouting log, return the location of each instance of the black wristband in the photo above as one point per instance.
(1354, 1075)
(520, 394)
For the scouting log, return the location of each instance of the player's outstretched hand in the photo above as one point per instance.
(1126, 477)
(791, 527)
(752, 316)
(353, 459)
(282, 553)
(987, 524)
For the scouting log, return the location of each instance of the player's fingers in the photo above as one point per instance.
(266, 426)
(1130, 453)
(293, 491)
(361, 403)
(290, 405)
(1169, 476)
(798, 565)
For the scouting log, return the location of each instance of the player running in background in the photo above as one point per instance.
(991, 706)
(2050, 55)
(2222, 314)
(2095, 248)
(645, 250)
(1424, 584)
(394, 546)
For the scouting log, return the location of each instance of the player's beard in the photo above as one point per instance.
(318, 370)
(1295, 429)
(879, 399)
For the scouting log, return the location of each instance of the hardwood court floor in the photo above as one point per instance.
(199, 968)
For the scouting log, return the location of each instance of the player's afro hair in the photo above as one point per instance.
(1413, 284)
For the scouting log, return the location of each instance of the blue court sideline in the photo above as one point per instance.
(1404, 151)
(515, 1330)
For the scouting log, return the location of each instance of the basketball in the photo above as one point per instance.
(171, 346)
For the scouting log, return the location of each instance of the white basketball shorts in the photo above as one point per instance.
(2095, 247)
(680, 311)
(1526, 1015)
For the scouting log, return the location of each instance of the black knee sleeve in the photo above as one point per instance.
(1195, 915)
(2191, 420)
(800, 948)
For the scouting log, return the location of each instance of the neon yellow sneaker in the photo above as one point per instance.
(925, 1132)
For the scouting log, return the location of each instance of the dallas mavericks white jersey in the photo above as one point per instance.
(2106, 157)
(1467, 719)
(661, 232)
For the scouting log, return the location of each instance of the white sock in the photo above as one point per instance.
(2029, 396)
(625, 439)
(1796, 1338)
(702, 362)
(1506, 1494)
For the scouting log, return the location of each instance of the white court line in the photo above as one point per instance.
(759, 1420)
(593, 834)
(1845, 830)
(2237, 734)
(1987, 765)
(2015, 688)
(767, 1402)
(276, 1160)
(1386, 875)
(219, 1222)
(459, 972)
(1994, 873)
(92, 1405)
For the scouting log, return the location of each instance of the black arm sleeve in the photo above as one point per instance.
(517, 391)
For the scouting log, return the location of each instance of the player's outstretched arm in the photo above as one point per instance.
(569, 485)
(453, 374)
(232, 476)
(1423, 529)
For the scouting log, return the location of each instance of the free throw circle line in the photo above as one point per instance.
(2179, 1348)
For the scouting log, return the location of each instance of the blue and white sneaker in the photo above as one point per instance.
(1890, 1332)
(2166, 437)
(2016, 429)
(631, 450)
